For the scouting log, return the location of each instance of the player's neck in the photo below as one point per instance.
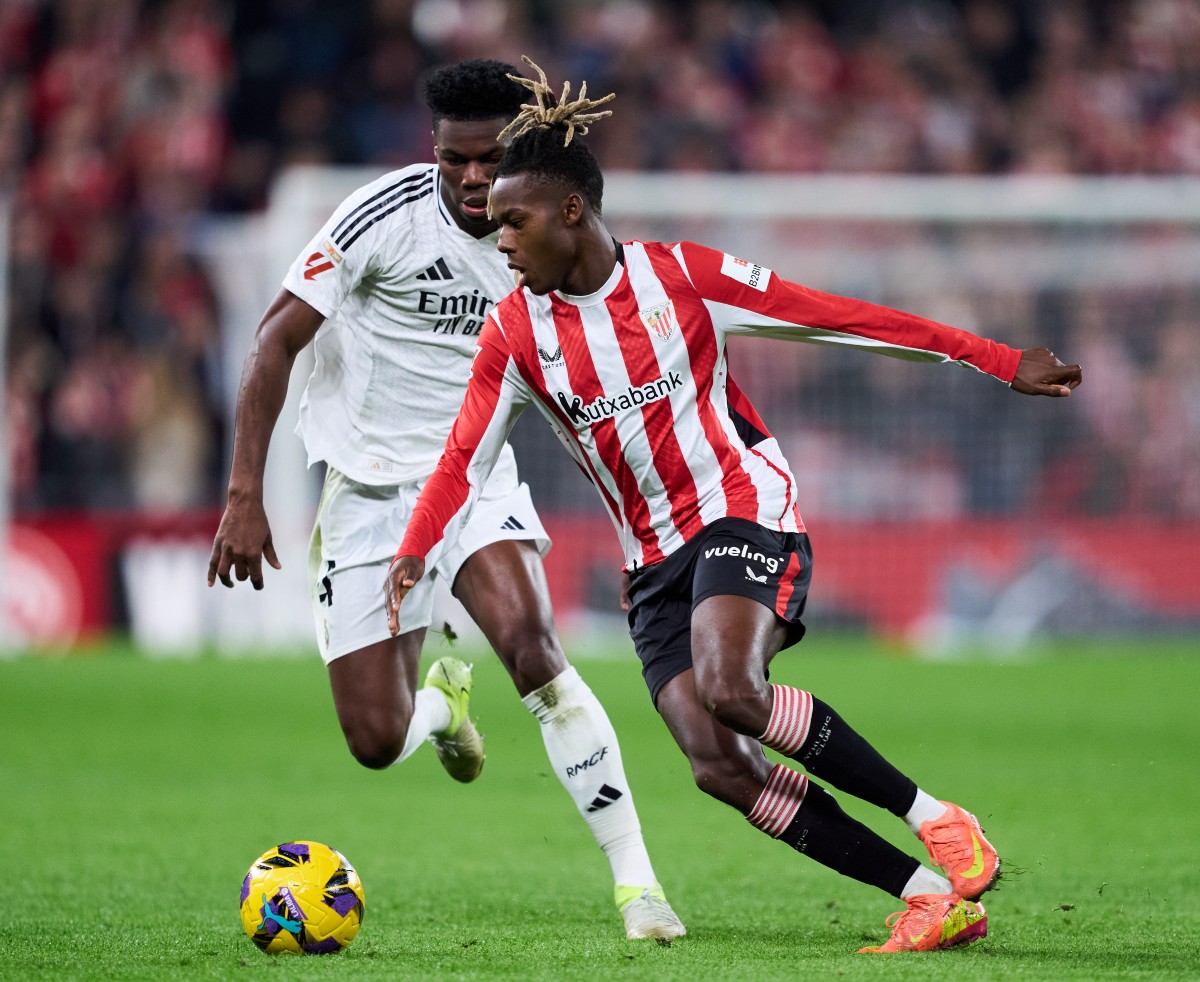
(597, 255)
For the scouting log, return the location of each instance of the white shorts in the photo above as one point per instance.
(360, 526)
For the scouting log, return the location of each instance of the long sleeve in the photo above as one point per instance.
(745, 298)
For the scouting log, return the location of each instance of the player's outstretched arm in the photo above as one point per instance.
(244, 535)
(1039, 373)
(402, 576)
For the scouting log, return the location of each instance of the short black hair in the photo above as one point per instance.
(540, 153)
(470, 90)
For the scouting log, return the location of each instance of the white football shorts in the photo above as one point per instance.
(360, 526)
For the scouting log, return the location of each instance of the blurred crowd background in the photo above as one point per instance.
(123, 124)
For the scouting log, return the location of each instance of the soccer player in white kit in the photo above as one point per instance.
(638, 390)
(392, 294)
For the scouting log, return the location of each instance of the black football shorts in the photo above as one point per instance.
(732, 556)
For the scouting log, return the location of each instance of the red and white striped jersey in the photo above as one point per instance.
(634, 381)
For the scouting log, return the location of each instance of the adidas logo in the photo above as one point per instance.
(607, 796)
(512, 525)
(438, 271)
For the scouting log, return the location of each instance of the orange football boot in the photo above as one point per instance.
(956, 843)
(932, 921)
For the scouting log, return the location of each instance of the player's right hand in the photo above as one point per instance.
(243, 539)
(402, 576)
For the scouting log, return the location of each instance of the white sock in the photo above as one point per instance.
(924, 809)
(583, 750)
(925, 880)
(431, 714)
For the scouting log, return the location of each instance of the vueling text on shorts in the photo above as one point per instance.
(771, 562)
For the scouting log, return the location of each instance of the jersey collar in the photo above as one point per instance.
(613, 281)
(441, 204)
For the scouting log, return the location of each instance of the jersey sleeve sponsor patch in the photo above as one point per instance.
(752, 274)
(320, 262)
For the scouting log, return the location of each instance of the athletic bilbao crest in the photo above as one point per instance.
(660, 320)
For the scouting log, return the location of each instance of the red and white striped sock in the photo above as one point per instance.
(791, 714)
(781, 799)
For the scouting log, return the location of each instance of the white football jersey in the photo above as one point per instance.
(404, 292)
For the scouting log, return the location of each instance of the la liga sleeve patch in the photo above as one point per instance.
(744, 271)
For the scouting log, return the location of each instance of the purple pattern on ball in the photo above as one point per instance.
(329, 946)
(343, 903)
(245, 889)
(299, 848)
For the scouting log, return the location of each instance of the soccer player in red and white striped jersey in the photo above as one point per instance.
(622, 349)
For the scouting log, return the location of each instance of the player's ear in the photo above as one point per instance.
(571, 209)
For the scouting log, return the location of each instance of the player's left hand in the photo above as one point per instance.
(402, 576)
(1041, 374)
(625, 601)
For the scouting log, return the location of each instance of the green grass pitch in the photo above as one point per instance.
(137, 792)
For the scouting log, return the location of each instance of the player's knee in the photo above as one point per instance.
(738, 705)
(376, 740)
(374, 753)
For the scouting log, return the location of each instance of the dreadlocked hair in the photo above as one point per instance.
(543, 138)
(473, 90)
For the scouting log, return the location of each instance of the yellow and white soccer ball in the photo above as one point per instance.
(302, 898)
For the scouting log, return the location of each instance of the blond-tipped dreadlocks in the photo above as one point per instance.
(538, 150)
(549, 111)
